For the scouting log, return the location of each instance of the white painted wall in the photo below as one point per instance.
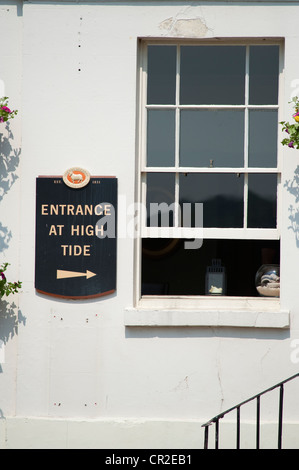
(74, 375)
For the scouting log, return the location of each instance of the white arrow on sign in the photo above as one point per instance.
(61, 274)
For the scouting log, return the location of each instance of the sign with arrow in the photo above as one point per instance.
(76, 236)
(62, 274)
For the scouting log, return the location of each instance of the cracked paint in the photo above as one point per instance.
(192, 27)
(182, 385)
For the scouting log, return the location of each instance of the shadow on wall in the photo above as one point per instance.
(10, 315)
(292, 187)
(9, 161)
(10, 318)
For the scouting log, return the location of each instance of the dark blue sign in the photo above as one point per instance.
(76, 238)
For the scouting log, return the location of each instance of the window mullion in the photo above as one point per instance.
(245, 200)
(246, 117)
(177, 137)
(246, 137)
(143, 141)
(144, 109)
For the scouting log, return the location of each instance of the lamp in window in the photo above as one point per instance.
(216, 278)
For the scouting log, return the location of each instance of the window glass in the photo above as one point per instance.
(169, 269)
(212, 75)
(160, 199)
(203, 140)
(263, 74)
(262, 194)
(212, 138)
(161, 74)
(221, 195)
(160, 137)
(262, 138)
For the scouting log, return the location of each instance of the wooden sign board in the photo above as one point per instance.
(75, 255)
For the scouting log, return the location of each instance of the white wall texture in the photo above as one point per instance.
(74, 376)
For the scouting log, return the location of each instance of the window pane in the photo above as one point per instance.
(161, 74)
(160, 137)
(212, 138)
(263, 138)
(170, 269)
(221, 195)
(263, 74)
(212, 75)
(262, 193)
(159, 199)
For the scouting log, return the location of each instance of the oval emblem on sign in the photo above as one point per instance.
(76, 177)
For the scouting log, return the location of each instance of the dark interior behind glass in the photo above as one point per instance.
(170, 269)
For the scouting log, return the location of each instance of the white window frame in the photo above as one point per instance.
(145, 305)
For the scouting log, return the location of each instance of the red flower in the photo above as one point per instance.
(6, 109)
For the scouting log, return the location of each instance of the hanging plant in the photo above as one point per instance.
(5, 112)
(6, 287)
(292, 130)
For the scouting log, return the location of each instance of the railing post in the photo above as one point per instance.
(206, 443)
(280, 416)
(238, 427)
(258, 422)
(216, 433)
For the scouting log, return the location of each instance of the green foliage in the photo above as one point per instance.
(5, 112)
(6, 287)
(292, 130)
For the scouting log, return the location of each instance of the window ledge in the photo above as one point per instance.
(208, 317)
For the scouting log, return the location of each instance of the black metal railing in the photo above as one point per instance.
(257, 397)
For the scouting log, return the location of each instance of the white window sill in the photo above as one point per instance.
(260, 313)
